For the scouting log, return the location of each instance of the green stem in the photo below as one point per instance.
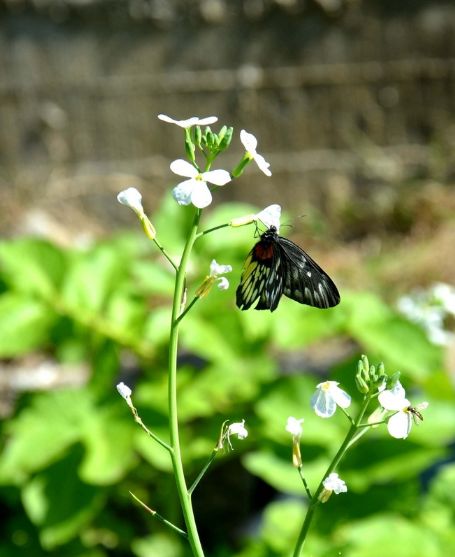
(203, 232)
(350, 438)
(160, 518)
(203, 471)
(187, 309)
(166, 255)
(177, 465)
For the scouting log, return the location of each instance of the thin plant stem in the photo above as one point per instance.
(160, 518)
(187, 309)
(166, 255)
(351, 436)
(203, 471)
(177, 465)
(203, 232)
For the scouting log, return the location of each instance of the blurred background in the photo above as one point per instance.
(353, 104)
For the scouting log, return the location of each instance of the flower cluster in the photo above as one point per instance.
(432, 309)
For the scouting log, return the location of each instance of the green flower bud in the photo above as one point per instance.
(362, 385)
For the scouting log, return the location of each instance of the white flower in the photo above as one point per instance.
(394, 400)
(327, 397)
(294, 426)
(270, 216)
(195, 190)
(250, 143)
(193, 121)
(131, 198)
(223, 283)
(239, 429)
(215, 270)
(124, 391)
(333, 482)
(445, 295)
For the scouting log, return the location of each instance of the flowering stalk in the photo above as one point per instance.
(176, 457)
(315, 500)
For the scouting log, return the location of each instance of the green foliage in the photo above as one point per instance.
(70, 456)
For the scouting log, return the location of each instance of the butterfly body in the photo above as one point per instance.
(276, 266)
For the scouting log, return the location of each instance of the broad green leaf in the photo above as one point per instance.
(59, 503)
(25, 324)
(401, 344)
(108, 443)
(33, 266)
(388, 534)
(43, 432)
(91, 277)
(161, 545)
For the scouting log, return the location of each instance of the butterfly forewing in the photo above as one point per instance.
(305, 282)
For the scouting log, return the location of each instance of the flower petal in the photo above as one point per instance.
(249, 141)
(223, 283)
(183, 168)
(217, 269)
(131, 197)
(217, 177)
(323, 404)
(207, 120)
(200, 195)
(270, 216)
(123, 390)
(294, 426)
(183, 191)
(340, 397)
(262, 164)
(239, 429)
(399, 425)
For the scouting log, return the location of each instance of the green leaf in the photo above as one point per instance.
(388, 534)
(25, 324)
(401, 344)
(43, 432)
(59, 503)
(33, 266)
(91, 277)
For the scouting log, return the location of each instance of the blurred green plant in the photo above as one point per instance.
(70, 456)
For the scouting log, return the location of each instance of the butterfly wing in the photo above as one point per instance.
(304, 281)
(262, 277)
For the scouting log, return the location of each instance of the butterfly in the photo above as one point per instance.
(276, 266)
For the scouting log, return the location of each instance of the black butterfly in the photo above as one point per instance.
(276, 266)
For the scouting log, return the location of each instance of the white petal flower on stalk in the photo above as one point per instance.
(394, 400)
(294, 426)
(270, 216)
(189, 122)
(334, 483)
(250, 143)
(125, 392)
(239, 429)
(214, 276)
(195, 189)
(132, 198)
(327, 397)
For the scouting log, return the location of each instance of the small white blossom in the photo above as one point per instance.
(432, 309)
(124, 391)
(216, 269)
(294, 426)
(195, 189)
(270, 216)
(250, 143)
(223, 283)
(193, 121)
(334, 483)
(239, 429)
(394, 400)
(132, 198)
(327, 397)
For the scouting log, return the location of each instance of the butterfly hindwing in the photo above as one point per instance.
(276, 266)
